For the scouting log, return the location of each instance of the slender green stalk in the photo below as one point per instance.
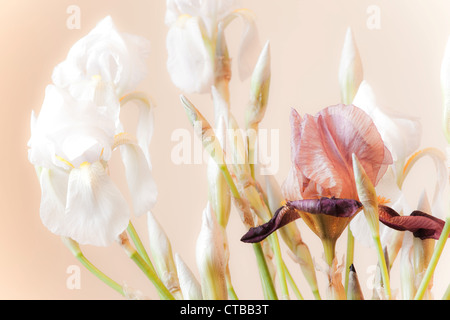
(383, 266)
(446, 295)
(138, 243)
(293, 284)
(151, 275)
(99, 274)
(76, 251)
(266, 280)
(231, 293)
(329, 248)
(229, 180)
(146, 269)
(275, 244)
(350, 255)
(434, 260)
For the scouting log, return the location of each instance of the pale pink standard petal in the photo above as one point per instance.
(327, 143)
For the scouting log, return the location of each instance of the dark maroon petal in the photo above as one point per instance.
(330, 206)
(422, 225)
(282, 217)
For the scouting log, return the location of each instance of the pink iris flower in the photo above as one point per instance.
(320, 187)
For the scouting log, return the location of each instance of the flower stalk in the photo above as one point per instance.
(124, 242)
(434, 260)
(74, 247)
(368, 197)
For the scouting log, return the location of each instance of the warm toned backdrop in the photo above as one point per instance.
(401, 61)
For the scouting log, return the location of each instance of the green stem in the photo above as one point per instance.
(74, 247)
(229, 180)
(231, 293)
(262, 264)
(293, 284)
(434, 260)
(350, 255)
(138, 243)
(95, 271)
(446, 295)
(329, 246)
(164, 293)
(275, 244)
(383, 266)
(266, 280)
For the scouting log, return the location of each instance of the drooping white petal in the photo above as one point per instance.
(96, 212)
(190, 64)
(139, 177)
(145, 128)
(53, 198)
(250, 45)
(401, 134)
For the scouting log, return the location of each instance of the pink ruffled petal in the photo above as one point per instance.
(327, 142)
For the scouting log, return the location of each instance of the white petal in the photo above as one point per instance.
(250, 46)
(53, 198)
(401, 134)
(145, 129)
(116, 57)
(189, 63)
(76, 131)
(190, 287)
(96, 212)
(139, 177)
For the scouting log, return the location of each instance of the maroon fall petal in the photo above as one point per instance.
(422, 225)
(282, 217)
(288, 213)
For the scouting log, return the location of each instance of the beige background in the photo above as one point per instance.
(401, 61)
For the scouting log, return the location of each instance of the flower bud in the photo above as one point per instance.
(259, 94)
(211, 259)
(189, 285)
(354, 291)
(204, 131)
(161, 250)
(350, 70)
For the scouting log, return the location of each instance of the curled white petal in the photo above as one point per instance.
(139, 177)
(96, 212)
(116, 57)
